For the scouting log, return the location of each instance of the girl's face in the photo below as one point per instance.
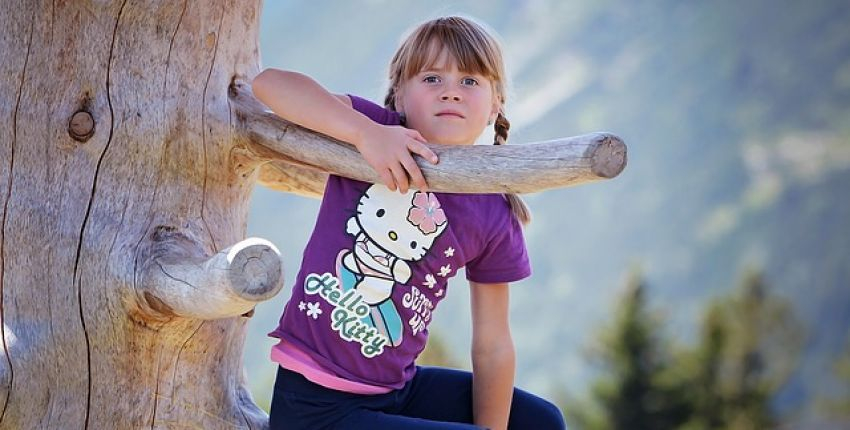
(445, 105)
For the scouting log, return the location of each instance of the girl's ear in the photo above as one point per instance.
(399, 98)
(497, 103)
(494, 112)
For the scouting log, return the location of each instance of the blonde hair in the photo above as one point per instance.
(475, 51)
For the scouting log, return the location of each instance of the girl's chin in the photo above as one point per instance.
(448, 140)
(456, 143)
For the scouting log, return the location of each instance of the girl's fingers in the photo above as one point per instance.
(415, 173)
(415, 134)
(400, 178)
(387, 179)
(424, 151)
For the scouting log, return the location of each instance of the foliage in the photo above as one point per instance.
(836, 405)
(637, 391)
(437, 352)
(747, 349)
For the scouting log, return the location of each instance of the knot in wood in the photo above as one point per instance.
(163, 232)
(81, 126)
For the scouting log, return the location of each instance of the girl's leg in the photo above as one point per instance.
(446, 395)
(300, 404)
(367, 419)
(529, 411)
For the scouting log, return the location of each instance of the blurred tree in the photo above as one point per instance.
(702, 366)
(749, 346)
(762, 352)
(836, 405)
(436, 352)
(638, 390)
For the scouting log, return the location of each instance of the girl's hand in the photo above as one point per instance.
(300, 99)
(388, 150)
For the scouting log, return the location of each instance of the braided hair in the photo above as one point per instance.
(518, 206)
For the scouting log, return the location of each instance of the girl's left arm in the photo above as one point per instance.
(493, 357)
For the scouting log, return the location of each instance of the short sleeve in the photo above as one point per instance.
(375, 112)
(504, 257)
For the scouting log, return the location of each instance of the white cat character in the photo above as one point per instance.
(390, 230)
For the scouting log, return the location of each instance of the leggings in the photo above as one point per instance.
(436, 398)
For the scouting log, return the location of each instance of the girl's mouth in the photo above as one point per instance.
(450, 114)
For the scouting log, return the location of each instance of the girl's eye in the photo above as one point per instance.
(470, 81)
(431, 79)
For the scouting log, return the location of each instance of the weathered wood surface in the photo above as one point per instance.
(524, 168)
(83, 220)
(127, 160)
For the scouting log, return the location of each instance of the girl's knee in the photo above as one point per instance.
(554, 419)
(530, 411)
(549, 416)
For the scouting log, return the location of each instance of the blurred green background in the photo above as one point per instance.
(708, 286)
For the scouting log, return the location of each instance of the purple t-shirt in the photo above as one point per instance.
(377, 265)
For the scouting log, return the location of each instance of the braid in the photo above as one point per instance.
(518, 206)
(389, 103)
(501, 126)
(389, 100)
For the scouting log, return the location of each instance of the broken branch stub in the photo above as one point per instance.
(229, 283)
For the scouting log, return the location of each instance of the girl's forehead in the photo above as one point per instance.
(439, 59)
(442, 59)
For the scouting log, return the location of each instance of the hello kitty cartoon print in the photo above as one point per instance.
(390, 230)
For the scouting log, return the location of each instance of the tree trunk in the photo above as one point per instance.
(129, 146)
(106, 231)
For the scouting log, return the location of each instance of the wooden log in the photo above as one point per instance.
(293, 178)
(524, 168)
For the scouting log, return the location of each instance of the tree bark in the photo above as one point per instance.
(127, 160)
(88, 342)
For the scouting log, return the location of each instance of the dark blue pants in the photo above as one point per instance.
(436, 398)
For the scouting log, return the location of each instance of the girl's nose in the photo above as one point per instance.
(450, 95)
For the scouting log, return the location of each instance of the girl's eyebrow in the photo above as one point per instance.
(433, 66)
(445, 69)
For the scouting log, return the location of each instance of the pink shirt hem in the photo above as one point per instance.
(290, 357)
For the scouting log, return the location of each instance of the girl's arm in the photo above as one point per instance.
(300, 99)
(493, 357)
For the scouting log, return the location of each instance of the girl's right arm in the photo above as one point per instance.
(301, 100)
(493, 355)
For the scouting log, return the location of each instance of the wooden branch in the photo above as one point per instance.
(525, 168)
(293, 178)
(229, 283)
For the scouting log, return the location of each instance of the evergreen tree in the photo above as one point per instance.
(702, 366)
(748, 347)
(764, 344)
(836, 404)
(636, 391)
(747, 350)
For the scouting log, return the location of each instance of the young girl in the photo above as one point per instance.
(379, 259)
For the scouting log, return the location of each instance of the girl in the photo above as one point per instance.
(378, 261)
